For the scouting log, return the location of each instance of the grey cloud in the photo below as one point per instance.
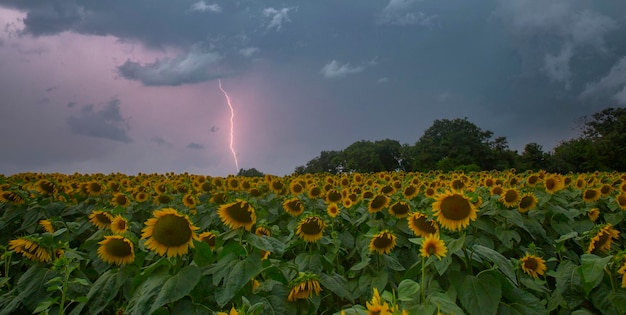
(106, 123)
(195, 146)
(558, 67)
(614, 83)
(192, 67)
(334, 70)
(161, 142)
(202, 6)
(402, 12)
(277, 17)
(248, 51)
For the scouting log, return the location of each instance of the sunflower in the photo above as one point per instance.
(233, 311)
(603, 239)
(296, 188)
(622, 271)
(209, 238)
(527, 203)
(510, 198)
(190, 201)
(383, 242)
(13, 197)
(303, 286)
(496, 190)
(333, 210)
(120, 199)
(430, 192)
(453, 211)
(591, 195)
(101, 219)
(293, 206)
(377, 203)
(311, 228)
(116, 249)
(400, 209)
(377, 306)
(621, 201)
(432, 245)
(277, 186)
(593, 214)
(410, 192)
(314, 192)
(30, 248)
(119, 225)
(333, 196)
(94, 188)
(46, 225)
(169, 232)
(421, 225)
(606, 190)
(238, 214)
(141, 196)
(163, 199)
(554, 183)
(533, 266)
(45, 187)
(219, 198)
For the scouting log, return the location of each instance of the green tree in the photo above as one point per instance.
(576, 155)
(251, 172)
(326, 162)
(533, 157)
(607, 131)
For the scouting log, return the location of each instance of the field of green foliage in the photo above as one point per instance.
(475, 243)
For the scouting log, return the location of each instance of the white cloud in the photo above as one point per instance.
(248, 51)
(613, 83)
(202, 6)
(333, 70)
(383, 80)
(185, 68)
(277, 17)
(401, 12)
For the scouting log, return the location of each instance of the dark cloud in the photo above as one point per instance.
(161, 142)
(106, 123)
(195, 146)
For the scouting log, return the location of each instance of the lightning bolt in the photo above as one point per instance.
(232, 125)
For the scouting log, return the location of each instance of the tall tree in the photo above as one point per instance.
(533, 157)
(607, 130)
(326, 162)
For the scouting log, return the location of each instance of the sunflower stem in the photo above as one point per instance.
(423, 284)
(608, 272)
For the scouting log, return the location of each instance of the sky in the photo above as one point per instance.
(132, 86)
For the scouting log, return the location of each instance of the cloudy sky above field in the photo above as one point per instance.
(132, 86)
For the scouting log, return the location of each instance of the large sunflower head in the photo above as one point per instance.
(116, 249)
(169, 233)
(621, 200)
(510, 197)
(293, 206)
(527, 203)
(377, 306)
(601, 241)
(377, 203)
(454, 211)
(554, 183)
(190, 201)
(383, 242)
(421, 225)
(238, 214)
(303, 286)
(119, 225)
(432, 245)
(94, 188)
(591, 195)
(45, 187)
(400, 209)
(30, 248)
(101, 219)
(311, 228)
(533, 266)
(333, 195)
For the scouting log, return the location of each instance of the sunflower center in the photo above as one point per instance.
(590, 194)
(455, 207)
(604, 237)
(172, 230)
(311, 226)
(121, 225)
(409, 191)
(209, 240)
(378, 202)
(239, 213)
(400, 208)
(334, 196)
(103, 218)
(121, 200)
(531, 263)
(526, 202)
(621, 200)
(510, 196)
(383, 241)
(425, 225)
(550, 183)
(118, 248)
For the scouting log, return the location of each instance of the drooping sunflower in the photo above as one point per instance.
(119, 225)
(311, 228)
(400, 209)
(30, 248)
(116, 249)
(603, 239)
(293, 206)
(169, 233)
(454, 211)
(333, 210)
(591, 195)
(377, 306)
(622, 271)
(260, 231)
(209, 238)
(527, 203)
(621, 201)
(383, 242)
(533, 266)
(432, 245)
(238, 214)
(377, 203)
(510, 198)
(101, 219)
(303, 286)
(421, 225)
(47, 225)
(45, 187)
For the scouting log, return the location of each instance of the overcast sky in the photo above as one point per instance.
(132, 86)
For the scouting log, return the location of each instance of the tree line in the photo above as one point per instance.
(458, 144)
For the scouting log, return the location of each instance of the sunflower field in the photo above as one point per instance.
(497, 242)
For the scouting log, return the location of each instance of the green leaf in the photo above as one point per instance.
(45, 305)
(503, 264)
(518, 301)
(31, 289)
(591, 270)
(239, 275)
(337, 284)
(444, 303)
(456, 245)
(408, 290)
(362, 264)
(266, 243)
(393, 263)
(145, 294)
(177, 286)
(481, 294)
(507, 236)
(104, 290)
(202, 253)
